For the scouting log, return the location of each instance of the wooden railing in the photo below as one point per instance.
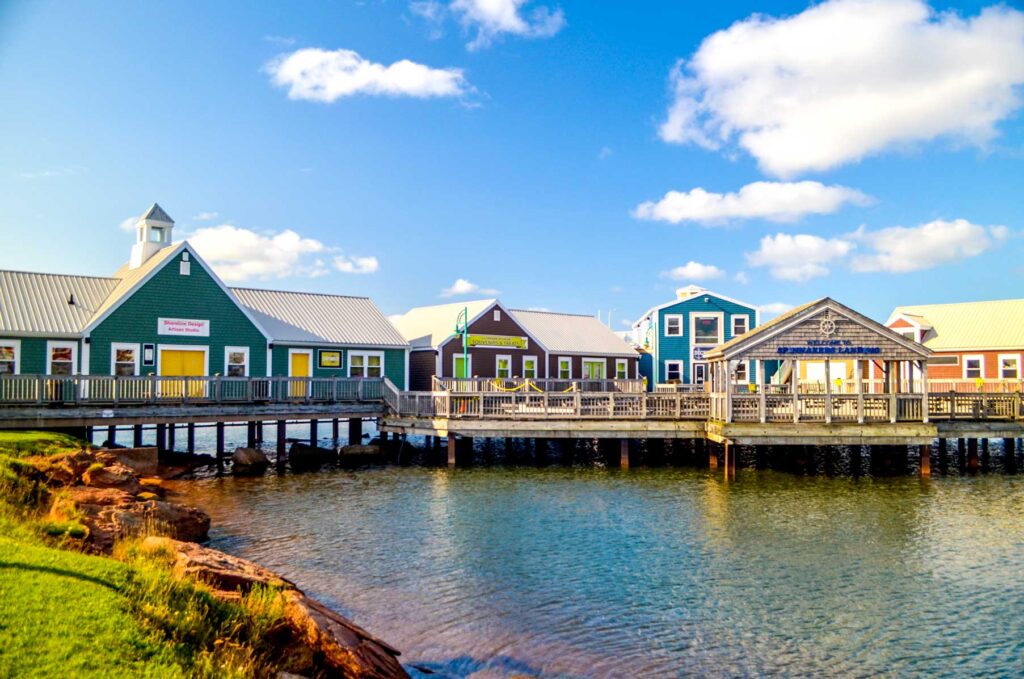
(548, 405)
(518, 384)
(25, 390)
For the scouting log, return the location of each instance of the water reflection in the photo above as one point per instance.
(492, 572)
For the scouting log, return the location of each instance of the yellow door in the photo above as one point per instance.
(299, 368)
(182, 363)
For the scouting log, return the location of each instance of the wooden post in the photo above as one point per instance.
(190, 436)
(313, 437)
(1009, 455)
(335, 434)
(170, 437)
(925, 405)
(220, 439)
(860, 391)
(137, 436)
(161, 437)
(728, 391)
(624, 453)
(828, 391)
(762, 397)
(794, 383)
(452, 443)
(712, 456)
(250, 434)
(730, 456)
(282, 440)
(972, 454)
(961, 451)
(112, 436)
(355, 431)
(943, 455)
(259, 432)
(984, 454)
(926, 460)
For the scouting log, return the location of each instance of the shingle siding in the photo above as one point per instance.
(168, 294)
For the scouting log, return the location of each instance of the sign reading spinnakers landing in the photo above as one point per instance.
(187, 327)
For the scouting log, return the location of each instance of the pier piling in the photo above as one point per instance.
(313, 433)
(282, 441)
(161, 438)
(137, 435)
(220, 439)
(972, 455)
(190, 438)
(336, 434)
(452, 449)
(1009, 455)
(926, 460)
(624, 454)
(112, 436)
(355, 430)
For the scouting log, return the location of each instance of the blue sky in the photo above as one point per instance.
(517, 150)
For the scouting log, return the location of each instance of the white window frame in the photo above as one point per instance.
(999, 366)
(161, 348)
(981, 365)
(307, 352)
(366, 363)
(497, 364)
(58, 344)
(469, 366)
(679, 370)
(592, 359)
(675, 317)
(624, 363)
(137, 348)
(694, 316)
(497, 315)
(746, 368)
(558, 367)
(245, 350)
(732, 324)
(17, 353)
(536, 367)
(693, 371)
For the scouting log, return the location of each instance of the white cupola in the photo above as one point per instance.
(152, 234)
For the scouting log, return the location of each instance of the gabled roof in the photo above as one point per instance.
(39, 303)
(432, 326)
(691, 292)
(994, 324)
(157, 214)
(573, 334)
(313, 318)
(129, 279)
(797, 314)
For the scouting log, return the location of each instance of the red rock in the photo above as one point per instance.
(112, 476)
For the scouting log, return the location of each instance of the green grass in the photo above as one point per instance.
(22, 443)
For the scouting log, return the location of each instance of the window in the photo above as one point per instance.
(503, 367)
(739, 325)
(10, 355)
(564, 368)
(974, 367)
(673, 371)
(944, 360)
(497, 314)
(365, 364)
(125, 359)
(621, 368)
(530, 367)
(707, 329)
(741, 376)
(62, 358)
(674, 326)
(1009, 366)
(594, 368)
(236, 361)
(156, 234)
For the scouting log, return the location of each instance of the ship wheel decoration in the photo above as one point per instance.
(827, 327)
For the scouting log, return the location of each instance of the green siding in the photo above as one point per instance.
(168, 294)
(394, 362)
(33, 354)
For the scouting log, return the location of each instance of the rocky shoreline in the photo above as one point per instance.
(117, 494)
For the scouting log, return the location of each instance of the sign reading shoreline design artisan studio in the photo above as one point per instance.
(183, 326)
(497, 341)
(330, 359)
(832, 347)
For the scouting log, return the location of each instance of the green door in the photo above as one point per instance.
(593, 370)
(461, 369)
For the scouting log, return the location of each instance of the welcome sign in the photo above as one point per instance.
(188, 327)
(497, 341)
(835, 347)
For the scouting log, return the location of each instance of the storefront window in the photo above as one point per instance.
(8, 358)
(366, 364)
(530, 367)
(705, 330)
(237, 364)
(62, 360)
(125, 361)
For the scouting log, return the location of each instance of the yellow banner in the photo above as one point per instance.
(496, 341)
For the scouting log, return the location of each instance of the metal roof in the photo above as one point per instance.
(157, 214)
(994, 324)
(39, 303)
(306, 317)
(127, 279)
(430, 326)
(573, 333)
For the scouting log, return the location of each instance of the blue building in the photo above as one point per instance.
(676, 335)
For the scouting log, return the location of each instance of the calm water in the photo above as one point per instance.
(492, 572)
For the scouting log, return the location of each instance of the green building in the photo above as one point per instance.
(167, 313)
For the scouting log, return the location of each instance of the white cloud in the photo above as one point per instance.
(356, 264)
(322, 75)
(774, 201)
(279, 40)
(238, 254)
(900, 249)
(741, 277)
(693, 271)
(492, 18)
(205, 216)
(848, 78)
(461, 286)
(128, 223)
(604, 153)
(798, 258)
(773, 309)
(433, 12)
